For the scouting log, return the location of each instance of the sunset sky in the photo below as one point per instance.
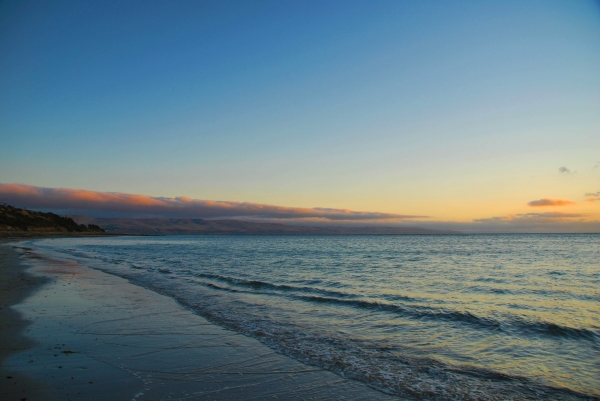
(481, 115)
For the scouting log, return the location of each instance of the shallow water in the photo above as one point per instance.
(445, 316)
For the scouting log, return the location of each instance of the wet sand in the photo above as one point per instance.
(94, 336)
(15, 286)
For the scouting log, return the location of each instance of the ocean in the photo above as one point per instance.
(419, 316)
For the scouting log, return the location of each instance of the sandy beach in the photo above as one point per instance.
(15, 286)
(71, 332)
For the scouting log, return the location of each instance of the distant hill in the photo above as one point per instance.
(13, 219)
(162, 226)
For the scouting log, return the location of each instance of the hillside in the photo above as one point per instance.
(162, 226)
(13, 219)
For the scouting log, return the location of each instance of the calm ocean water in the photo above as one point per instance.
(431, 316)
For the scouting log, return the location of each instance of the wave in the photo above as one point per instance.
(411, 376)
(413, 312)
(524, 326)
(256, 285)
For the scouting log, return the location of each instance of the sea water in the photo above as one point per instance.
(421, 316)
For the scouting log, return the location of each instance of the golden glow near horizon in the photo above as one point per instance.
(539, 214)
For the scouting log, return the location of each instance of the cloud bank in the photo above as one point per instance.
(538, 217)
(550, 202)
(548, 222)
(118, 204)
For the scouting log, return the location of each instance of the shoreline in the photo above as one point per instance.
(77, 297)
(92, 335)
(12, 236)
(16, 285)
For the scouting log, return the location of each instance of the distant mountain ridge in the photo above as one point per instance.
(165, 226)
(13, 219)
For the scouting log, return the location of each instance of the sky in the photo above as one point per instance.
(481, 116)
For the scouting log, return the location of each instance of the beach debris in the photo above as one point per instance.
(68, 352)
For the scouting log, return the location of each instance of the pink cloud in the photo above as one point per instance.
(76, 201)
(18, 189)
(550, 202)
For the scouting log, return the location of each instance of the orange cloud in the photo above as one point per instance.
(593, 199)
(78, 201)
(17, 189)
(550, 202)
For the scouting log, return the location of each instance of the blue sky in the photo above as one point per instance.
(455, 110)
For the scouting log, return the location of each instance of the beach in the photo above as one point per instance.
(71, 332)
(300, 317)
(15, 286)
